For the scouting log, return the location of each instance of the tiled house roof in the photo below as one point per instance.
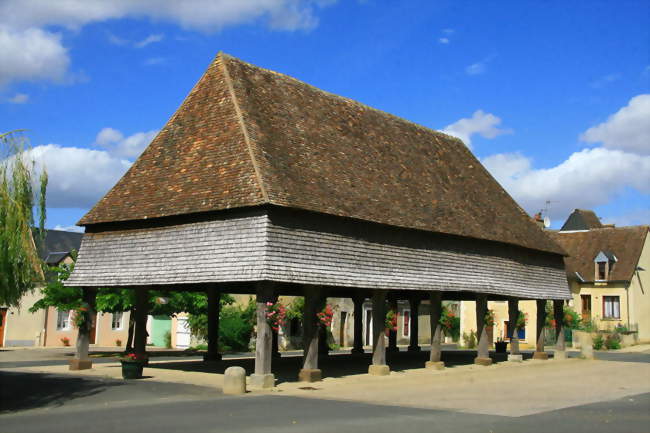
(581, 219)
(247, 136)
(625, 243)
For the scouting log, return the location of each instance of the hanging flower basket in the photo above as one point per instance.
(489, 319)
(325, 316)
(276, 314)
(81, 317)
(447, 320)
(522, 320)
(391, 321)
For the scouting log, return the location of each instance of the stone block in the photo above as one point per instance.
(515, 357)
(435, 365)
(560, 355)
(540, 355)
(262, 381)
(309, 375)
(483, 361)
(378, 370)
(586, 346)
(81, 364)
(234, 381)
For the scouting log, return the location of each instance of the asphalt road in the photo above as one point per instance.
(34, 402)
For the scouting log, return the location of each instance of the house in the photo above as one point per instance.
(608, 269)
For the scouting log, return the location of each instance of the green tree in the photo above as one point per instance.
(20, 266)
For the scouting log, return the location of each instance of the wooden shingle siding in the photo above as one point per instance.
(291, 249)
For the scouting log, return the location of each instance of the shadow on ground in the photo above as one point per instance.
(21, 391)
(339, 365)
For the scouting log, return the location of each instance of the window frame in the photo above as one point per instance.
(65, 321)
(406, 323)
(615, 301)
(121, 324)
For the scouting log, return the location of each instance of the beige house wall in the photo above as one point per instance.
(23, 328)
(640, 294)
(597, 291)
(500, 308)
(105, 336)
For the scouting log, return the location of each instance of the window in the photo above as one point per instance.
(611, 307)
(116, 323)
(63, 320)
(602, 271)
(406, 323)
(521, 333)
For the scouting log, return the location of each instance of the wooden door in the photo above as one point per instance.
(3, 317)
(586, 307)
(344, 316)
(93, 328)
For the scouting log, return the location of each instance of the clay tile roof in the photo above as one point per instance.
(247, 136)
(626, 243)
(582, 219)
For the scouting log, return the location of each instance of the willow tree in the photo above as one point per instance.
(22, 201)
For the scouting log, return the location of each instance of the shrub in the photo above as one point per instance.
(613, 341)
(450, 323)
(168, 339)
(469, 341)
(588, 325)
(235, 327)
(118, 342)
(621, 329)
(598, 342)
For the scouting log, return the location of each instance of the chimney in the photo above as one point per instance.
(539, 220)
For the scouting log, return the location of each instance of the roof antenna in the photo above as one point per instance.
(547, 220)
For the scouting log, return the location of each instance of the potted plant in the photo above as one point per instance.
(489, 326)
(275, 315)
(500, 346)
(65, 341)
(391, 321)
(132, 365)
(325, 316)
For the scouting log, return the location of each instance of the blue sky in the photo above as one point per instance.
(553, 97)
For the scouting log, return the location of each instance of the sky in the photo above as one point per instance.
(553, 97)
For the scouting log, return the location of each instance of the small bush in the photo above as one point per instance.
(613, 341)
(599, 341)
(168, 340)
(621, 329)
(118, 342)
(469, 341)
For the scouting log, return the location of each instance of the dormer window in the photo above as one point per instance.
(604, 262)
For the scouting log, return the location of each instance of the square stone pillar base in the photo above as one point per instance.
(310, 375)
(515, 357)
(435, 365)
(262, 381)
(81, 364)
(483, 361)
(559, 355)
(378, 370)
(540, 355)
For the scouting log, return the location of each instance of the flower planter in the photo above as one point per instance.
(500, 346)
(132, 369)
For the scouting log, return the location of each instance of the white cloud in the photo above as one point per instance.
(202, 15)
(151, 39)
(588, 178)
(31, 54)
(75, 229)
(443, 41)
(153, 61)
(632, 218)
(130, 147)
(627, 129)
(605, 80)
(477, 68)
(18, 98)
(77, 177)
(482, 123)
(448, 31)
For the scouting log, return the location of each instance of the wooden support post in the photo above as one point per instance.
(358, 324)
(275, 344)
(513, 316)
(141, 312)
(379, 367)
(483, 354)
(263, 378)
(310, 336)
(558, 313)
(414, 304)
(82, 361)
(435, 356)
(214, 304)
(539, 330)
(392, 333)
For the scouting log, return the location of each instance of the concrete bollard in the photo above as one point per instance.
(586, 346)
(234, 381)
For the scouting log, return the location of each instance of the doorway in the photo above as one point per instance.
(344, 316)
(93, 329)
(3, 318)
(586, 307)
(368, 324)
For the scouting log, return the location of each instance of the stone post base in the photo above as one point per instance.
(234, 381)
(540, 355)
(415, 349)
(310, 375)
(483, 361)
(378, 370)
(262, 380)
(559, 355)
(515, 357)
(81, 364)
(434, 365)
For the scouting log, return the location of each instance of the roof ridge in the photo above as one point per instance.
(345, 98)
(242, 124)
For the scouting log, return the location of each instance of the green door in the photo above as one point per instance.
(160, 325)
